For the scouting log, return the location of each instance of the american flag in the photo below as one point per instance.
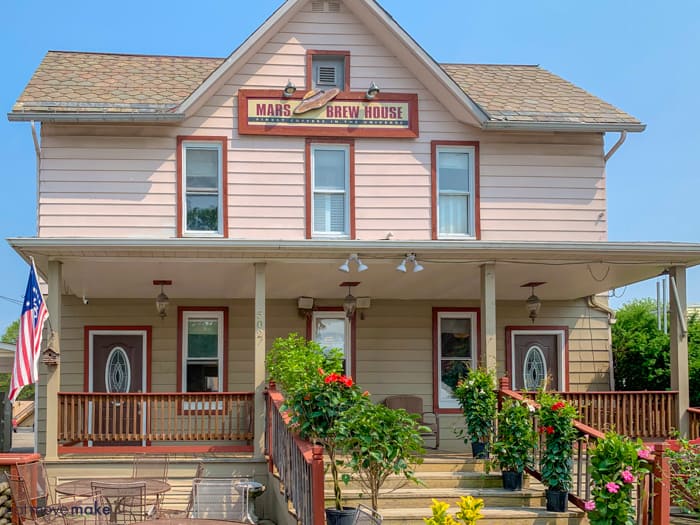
(31, 326)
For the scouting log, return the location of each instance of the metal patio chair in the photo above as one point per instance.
(367, 516)
(163, 512)
(127, 500)
(151, 466)
(30, 510)
(414, 405)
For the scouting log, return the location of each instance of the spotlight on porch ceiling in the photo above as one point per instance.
(532, 303)
(345, 267)
(410, 258)
(162, 301)
(372, 91)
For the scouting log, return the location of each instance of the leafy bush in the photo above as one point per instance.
(556, 419)
(293, 362)
(516, 436)
(476, 394)
(617, 464)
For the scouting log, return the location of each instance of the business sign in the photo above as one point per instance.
(328, 114)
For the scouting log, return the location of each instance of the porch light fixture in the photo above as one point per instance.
(350, 301)
(372, 91)
(410, 258)
(345, 267)
(162, 301)
(289, 89)
(533, 302)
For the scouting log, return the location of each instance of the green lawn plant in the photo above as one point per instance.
(516, 439)
(476, 393)
(379, 442)
(556, 424)
(617, 465)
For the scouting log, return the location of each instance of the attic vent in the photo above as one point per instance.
(325, 6)
(326, 75)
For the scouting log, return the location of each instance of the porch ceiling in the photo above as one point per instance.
(221, 268)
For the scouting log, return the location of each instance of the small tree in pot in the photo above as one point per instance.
(515, 441)
(380, 442)
(476, 394)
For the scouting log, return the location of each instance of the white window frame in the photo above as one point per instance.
(471, 195)
(332, 314)
(206, 145)
(202, 314)
(451, 402)
(330, 147)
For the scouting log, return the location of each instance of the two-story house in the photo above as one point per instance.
(329, 178)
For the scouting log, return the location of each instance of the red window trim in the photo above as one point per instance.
(180, 324)
(309, 66)
(309, 183)
(86, 350)
(536, 328)
(437, 310)
(224, 179)
(434, 145)
(353, 326)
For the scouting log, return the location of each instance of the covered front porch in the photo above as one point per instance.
(100, 285)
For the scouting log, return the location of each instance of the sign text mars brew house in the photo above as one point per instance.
(380, 118)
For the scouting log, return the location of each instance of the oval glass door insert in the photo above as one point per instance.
(534, 368)
(118, 371)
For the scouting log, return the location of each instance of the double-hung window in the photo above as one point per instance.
(330, 179)
(331, 329)
(455, 174)
(455, 353)
(203, 351)
(202, 197)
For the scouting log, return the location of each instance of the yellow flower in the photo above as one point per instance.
(440, 515)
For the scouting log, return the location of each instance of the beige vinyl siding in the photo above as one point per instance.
(109, 181)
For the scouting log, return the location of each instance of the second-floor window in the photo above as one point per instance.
(330, 178)
(455, 181)
(202, 172)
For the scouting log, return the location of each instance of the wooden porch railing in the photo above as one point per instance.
(694, 423)
(297, 463)
(133, 417)
(644, 414)
(658, 506)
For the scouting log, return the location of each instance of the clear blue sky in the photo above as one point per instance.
(635, 54)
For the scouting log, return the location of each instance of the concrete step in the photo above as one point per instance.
(431, 480)
(421, 498)
(492, 516)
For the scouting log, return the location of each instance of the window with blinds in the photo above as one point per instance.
(455, 180)
(330, 177)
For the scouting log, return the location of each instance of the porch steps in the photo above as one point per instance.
(447, 477)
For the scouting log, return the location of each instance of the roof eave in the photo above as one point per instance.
(591, 127)
(41, 116)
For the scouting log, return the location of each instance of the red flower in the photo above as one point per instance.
(550, 430)
(542, 429)
(320, 371)
(365, 393)
(558, 406)
(347, 381)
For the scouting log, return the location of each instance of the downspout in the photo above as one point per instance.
(37, 152)
(593, 303)
(616, 146)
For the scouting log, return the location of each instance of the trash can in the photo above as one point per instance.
(9, 462)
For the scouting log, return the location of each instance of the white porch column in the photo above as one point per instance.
(679, 346)
(488, 316)
(259, 374)
(50, 377)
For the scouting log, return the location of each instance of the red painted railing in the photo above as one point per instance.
(297, 463)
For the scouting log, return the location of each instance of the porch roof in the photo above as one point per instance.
(224, 268)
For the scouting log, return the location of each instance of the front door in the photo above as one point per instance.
(535, 359)
(117, 365)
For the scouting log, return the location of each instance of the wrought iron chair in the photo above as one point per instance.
(30, 510)
(219, 498)
(166, 513)
(414, 405)
(150, 466)
(127, 500)
(367, 516)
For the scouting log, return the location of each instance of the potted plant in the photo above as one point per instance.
(556, 423)
(314, 411)
(379, 441)
(476, 394)
(617, 463)
(515, 441)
